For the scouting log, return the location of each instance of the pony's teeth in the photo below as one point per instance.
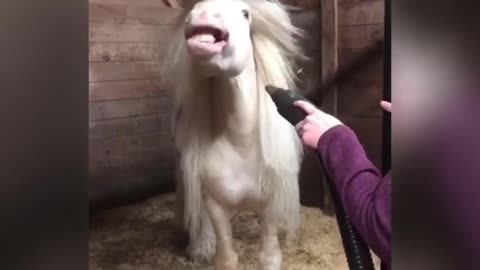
(205, 38)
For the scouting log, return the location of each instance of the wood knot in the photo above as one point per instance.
(106, 58)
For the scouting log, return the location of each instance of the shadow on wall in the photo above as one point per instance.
(109, 189)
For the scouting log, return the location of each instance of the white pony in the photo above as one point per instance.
(236, 151)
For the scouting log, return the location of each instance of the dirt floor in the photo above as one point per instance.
(143, 237)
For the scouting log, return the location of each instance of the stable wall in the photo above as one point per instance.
(129, 123)
(338, 32)
(360, 24)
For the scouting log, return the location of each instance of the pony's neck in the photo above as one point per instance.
(234, 106)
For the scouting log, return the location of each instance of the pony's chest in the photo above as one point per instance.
(232, 175)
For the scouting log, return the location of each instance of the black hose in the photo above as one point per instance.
(356, 250)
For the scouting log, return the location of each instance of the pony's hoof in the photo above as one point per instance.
(202, 252)
(270, 261)
(229, 262)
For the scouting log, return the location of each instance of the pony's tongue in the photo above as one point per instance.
(204, 44)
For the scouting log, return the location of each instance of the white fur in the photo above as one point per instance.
(236, 151)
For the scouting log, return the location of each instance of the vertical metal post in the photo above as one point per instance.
(386, 134)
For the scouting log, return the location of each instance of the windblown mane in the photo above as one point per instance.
(276, 49)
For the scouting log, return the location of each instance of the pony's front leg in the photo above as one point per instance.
(202, 245)
(270, 255)
(225, 257)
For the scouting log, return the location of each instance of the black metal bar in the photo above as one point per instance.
(387, 95)
(387, 60)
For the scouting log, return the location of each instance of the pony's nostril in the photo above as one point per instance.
(203, 14)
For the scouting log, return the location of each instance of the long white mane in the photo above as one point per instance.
(276, 48)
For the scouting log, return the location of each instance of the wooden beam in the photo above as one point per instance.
(131, 14)
(370, 12)
(104, 52)
(115, 90)
(105, 110)
(329, 43)
(100, 72)
(136, 3)
(360, 36)
(115, 32)
(130, 126)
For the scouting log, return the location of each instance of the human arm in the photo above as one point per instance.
(366, 196)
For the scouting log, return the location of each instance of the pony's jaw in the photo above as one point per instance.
(217, 35)
(220, 66)
(200, 48)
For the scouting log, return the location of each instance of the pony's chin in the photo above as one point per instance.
(215, 66)
(208, 70)
(205, 49)
(211, 70)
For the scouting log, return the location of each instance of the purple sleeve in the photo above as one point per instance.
(365, 195)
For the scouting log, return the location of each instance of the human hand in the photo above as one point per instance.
(387, 106)
(315, 124)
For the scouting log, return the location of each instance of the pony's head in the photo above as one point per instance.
(217, 34)
(220, 37)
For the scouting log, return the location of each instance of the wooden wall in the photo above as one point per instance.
(361, 23)
(130, 142)
(337, 32)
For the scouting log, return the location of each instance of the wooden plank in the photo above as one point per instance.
(312, 40)
(303, 4)
(371, 72)
(367, 129)
(329, 41)
(137, 3)
(350, 2)
(306, 19)
(99, 72)
(360, 99)
(130, 14)
(358, 37)
(150, 174)
(112, 32)
(309, 22)
(128, 107)
(126, 52)
(156, 123)
(102, 91)
(125, 151)
(371, 12)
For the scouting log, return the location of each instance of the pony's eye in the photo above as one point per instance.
(245, 13)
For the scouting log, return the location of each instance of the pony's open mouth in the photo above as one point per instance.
(203, 40)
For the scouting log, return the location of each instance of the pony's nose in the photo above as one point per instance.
(206, 15)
